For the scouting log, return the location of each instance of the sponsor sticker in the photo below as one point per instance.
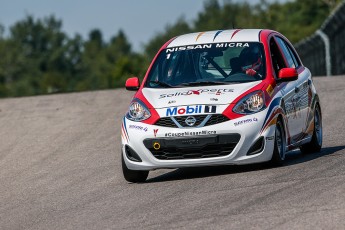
(191, 109)
(196, 92)
(207, 46)
(191, 133)
(246, 121)
(270, 90)
(155, 131)
(138, 127)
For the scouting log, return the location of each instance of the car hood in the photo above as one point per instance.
(215, 95)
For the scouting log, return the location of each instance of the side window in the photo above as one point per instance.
(277, 59)
(286, 52)
(293, 55)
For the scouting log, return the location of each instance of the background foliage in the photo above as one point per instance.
(37, 57)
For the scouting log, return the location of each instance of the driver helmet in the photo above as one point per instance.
(250, 58)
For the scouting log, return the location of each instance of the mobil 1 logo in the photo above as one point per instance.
(191, 109)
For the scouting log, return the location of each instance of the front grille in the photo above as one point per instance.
(216, 119)
(166, 122)
(213, 119)
(199, 119)
(193, 148)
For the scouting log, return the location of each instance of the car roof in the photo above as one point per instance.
(217, 36)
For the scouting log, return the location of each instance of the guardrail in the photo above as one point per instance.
(324, 51)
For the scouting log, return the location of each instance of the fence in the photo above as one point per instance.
(324, 52)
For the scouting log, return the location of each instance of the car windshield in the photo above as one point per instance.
(208, 64)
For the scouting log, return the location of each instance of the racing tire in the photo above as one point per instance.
(278, 155)
(134, 176)
(316, 141)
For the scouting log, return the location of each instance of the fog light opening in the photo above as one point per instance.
(257, 147)
(156, 146)
(131, 154)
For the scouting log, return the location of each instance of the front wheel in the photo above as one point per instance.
(278, 156)
(134, 176)
(316, 141)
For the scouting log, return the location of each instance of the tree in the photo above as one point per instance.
(180, 27)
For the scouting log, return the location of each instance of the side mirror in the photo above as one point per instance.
(288, 74)
(132, 84)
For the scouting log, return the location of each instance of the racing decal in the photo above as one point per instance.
(246, 121)
(207, 46)
(270, 90)
(310, 96)
(190, 110)
(271, 116)
(272, 120)
(189, 47)
(155, 131)
(232, 44)
(123, 137)
(138, 127)
(199, 35)
(272, 106)
(310, 127)
(191, 133)
(310, 118)
(234, 33)
(210, 109)
(295, 107)
(218, 32)
(297, 102)
(197, 92)
(124, 129)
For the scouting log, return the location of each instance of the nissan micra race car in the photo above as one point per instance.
(227, 97)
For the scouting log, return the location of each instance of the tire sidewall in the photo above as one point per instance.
(278, 155)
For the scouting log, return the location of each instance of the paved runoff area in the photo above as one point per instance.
(60, 169)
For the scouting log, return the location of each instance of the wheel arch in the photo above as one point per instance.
(282, 116)
(317, 104)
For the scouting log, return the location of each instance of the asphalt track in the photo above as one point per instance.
(60, 169)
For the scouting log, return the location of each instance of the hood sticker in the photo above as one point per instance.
(194, 109)
(197, 92)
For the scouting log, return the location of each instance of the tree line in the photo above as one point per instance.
(37, 57)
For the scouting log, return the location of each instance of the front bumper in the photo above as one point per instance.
(225, 143)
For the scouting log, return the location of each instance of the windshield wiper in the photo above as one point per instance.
(160, 83)
(204, 83)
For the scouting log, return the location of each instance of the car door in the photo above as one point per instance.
(296, 101)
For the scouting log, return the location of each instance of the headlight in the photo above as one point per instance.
(137, 111)
(252, 103)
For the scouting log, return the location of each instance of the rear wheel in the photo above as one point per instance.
(134, 176)
(316, 141)
(278, 156)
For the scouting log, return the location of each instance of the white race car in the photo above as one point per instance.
(226, 97)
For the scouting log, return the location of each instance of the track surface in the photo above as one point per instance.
(60, 169)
